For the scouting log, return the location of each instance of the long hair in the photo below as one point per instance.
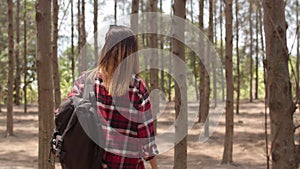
(118, 60)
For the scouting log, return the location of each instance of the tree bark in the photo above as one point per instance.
(82, 55)
(17, 54)
(79, 58)
(280, 100)
(238, 92)
(195, 70)
(180, 152)
(228, 143)
(115, 10)
(154, 81)
(262, 47)
(265, 85)
(143, 25)
(193, 57)
(25, 58)
(78, 25)
(83, 60)
(161, 37)
(213, 61)
(10, 85)
(208, 63)
(72, 42)
(134, 20)
(204, 88)
(96, 32)
(222, 48)
(251, 53)
(256, 53)
(169, 75)
(45, 82)
(145, 40)
(298, 52)
(56, 78)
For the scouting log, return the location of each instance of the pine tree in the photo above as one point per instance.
(228, 143)
(56, 78)
(9, 127)
(280, 101)
(17, 56)
(45, 82)
(180, 90)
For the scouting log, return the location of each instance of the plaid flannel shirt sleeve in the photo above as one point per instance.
(146, 127)
(76, 90)
(78, 87)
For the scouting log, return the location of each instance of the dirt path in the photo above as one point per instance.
(20, 152)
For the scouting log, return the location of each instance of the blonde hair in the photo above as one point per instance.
(118, 60)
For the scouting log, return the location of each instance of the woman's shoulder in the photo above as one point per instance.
(85, 74)
(139, 83)
(138, 80)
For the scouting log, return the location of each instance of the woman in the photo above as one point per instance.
(123, 103)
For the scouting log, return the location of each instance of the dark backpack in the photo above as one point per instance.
(78, 132)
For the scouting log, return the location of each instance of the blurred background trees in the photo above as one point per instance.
(72, 22)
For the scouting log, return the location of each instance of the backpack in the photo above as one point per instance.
(78, 134)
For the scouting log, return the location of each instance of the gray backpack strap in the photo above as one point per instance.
(88, 86)
(87, 114)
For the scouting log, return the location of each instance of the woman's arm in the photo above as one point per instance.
(153, 163)
(146, 128)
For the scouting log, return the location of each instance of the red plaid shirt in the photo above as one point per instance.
(127, 124)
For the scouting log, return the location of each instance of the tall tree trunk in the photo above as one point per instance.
(83, 23)
(154, 81)
(72, 42)
(192, 11)
(145, 39)
(262, 46)
(115, 10)
(180, 152)
(280, 101)
(17, 54)
(82, 55)
(161, 37)
(195, 70)
(222, 48)
(56, 78)
(238, 92)
(79, 58)
(251, 53)
(215, 20)
(78, 25)
(10, 85)
(143, 25)
(228, 144)
(25, 57)
(265, 83)
(256, 52)
(96, 32)
(214, 37)
(134, 20)
(193, 57)
(202, 87)
(171, 65)
(45, 83)
(207, 63)
(83, 61)
(169, 75)
(298, 51)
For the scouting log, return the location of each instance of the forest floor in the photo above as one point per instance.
(21, 151)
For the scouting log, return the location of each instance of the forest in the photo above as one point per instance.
(223, 76)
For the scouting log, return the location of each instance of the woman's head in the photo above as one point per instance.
(118, 60)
